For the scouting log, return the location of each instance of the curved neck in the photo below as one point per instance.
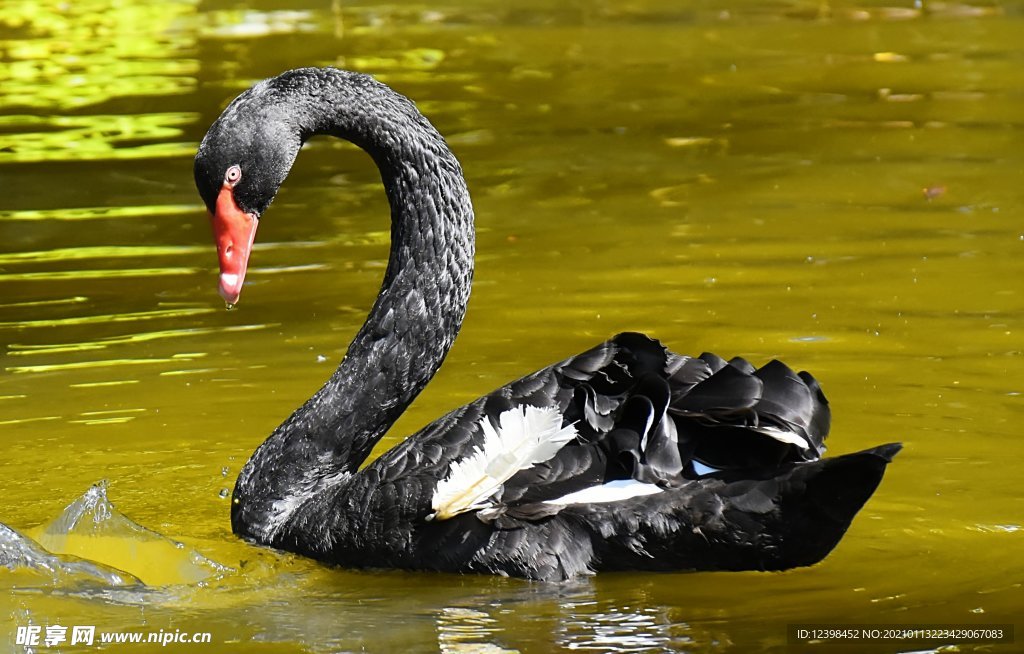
(419, 309)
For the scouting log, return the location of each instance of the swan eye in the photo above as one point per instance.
(233, 175)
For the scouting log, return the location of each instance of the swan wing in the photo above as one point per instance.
(621, 419)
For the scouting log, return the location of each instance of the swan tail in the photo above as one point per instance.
(818, 502)
(792, 519)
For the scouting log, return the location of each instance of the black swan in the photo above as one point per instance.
(625, 457)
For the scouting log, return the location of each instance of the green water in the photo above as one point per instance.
(836, 185)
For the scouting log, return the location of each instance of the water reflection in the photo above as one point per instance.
(465, 630)
(61, 57)
(84, 138)
(588, 626)
(577, 616)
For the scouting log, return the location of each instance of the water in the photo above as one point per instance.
(836, 185)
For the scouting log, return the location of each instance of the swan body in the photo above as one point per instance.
(626, 456)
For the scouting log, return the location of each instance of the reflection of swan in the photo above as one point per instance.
(463, 630)
(619, 628)
(626, 456)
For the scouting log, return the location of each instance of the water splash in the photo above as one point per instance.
(91, 528)
(19, 553)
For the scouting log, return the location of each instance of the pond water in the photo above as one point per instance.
(833, 184)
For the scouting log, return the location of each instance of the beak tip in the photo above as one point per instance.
(230, 288)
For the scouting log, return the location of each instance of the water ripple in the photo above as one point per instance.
(17, 349)
(54, 275)
(109, 317)
(80, 365)
(100, 213)
(100, 252)
(98, 137)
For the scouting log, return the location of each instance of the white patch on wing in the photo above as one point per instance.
(613, 491)
(784, 436)
(702, 469)
(526, 435)
(647, 429)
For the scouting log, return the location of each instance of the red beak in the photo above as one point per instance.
(233, 231)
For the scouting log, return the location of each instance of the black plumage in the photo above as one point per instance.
(728, 456)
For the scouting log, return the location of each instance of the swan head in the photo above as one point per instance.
(239, 167)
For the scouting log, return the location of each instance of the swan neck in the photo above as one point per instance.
(425, 291)
(415, 317)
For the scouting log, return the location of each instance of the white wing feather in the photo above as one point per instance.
(526, 435)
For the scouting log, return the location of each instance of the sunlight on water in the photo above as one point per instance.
(106, 252)
(15, 349)
(61, 55)
(95, 274)
(121, 317)
(94, 364)
(831, 184)
(90, 213)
